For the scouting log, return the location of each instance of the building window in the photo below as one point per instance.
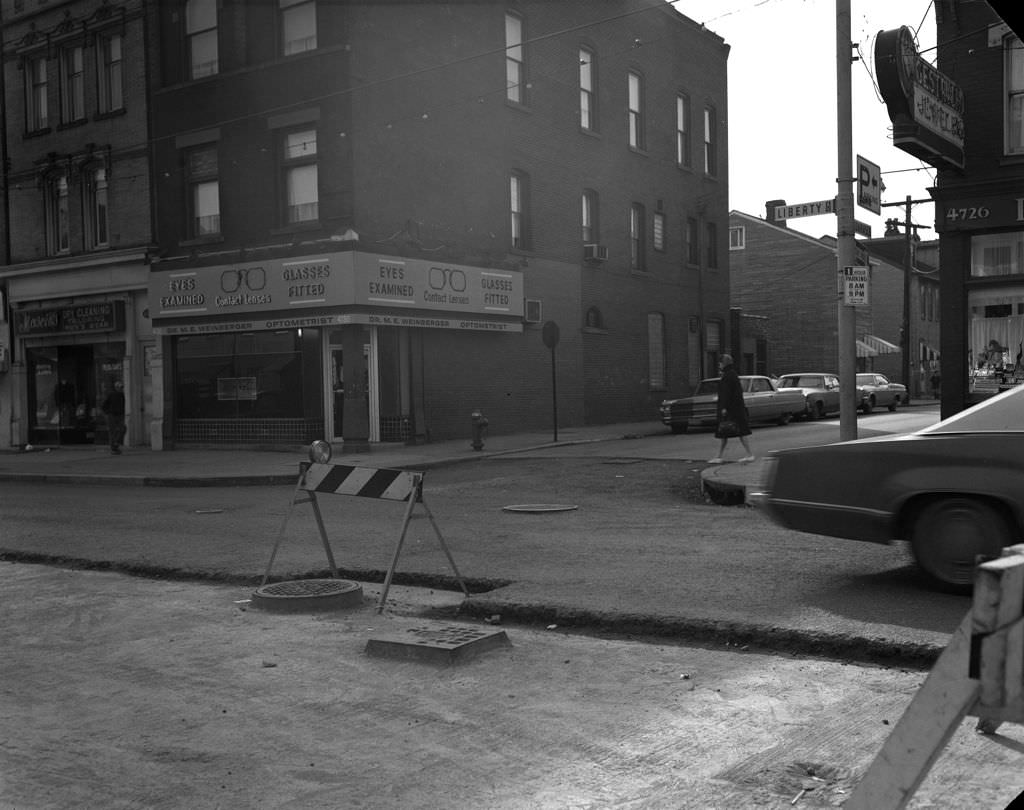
(997, 254)
(515, 68)
(588, 90)
(683, 153)
(298, 26)
(658, 235)
(737, 238)
(1015, 98)
(591, 234)
(692, 242)
(712, 346)
(301, 177)
(201, 30)
(58, 238)
(36, 112)
(109, 72)
(710, 142)
(204, 191)
(636, 111)
(656, 359)
(72, 84)
(711, 238)
(594, 319)
(518, 207)
(636, 237)
(96, 209)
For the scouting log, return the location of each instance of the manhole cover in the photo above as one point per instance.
(447, 644)
(540, 507)
(308, 594)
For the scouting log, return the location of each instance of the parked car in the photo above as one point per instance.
(765, 403)
(954, 490)
(875, 391)
(821, 392)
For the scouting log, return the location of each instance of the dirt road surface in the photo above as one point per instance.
(122, 692)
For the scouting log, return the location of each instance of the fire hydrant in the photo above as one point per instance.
(479, 426)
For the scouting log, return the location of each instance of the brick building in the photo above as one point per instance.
(784, 283)
(978, 203)
(77, 222)
(366, 213)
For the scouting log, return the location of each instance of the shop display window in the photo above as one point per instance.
(995, 349)
(247, 375)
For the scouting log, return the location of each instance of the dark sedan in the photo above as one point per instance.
(954, 490)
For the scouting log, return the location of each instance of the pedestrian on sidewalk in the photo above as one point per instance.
(113, 408)
(731, 411)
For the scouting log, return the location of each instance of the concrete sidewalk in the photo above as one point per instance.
(214, 466)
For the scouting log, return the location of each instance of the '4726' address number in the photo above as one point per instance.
(979, 212)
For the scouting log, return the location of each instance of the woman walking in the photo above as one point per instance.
(731, 410)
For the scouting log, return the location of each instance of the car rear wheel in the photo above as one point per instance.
(784, 418)
(818, 410)
(950, 535)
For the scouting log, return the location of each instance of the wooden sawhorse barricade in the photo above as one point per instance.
(365, 482)
(979, 674)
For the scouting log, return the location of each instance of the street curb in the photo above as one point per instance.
(746, 636)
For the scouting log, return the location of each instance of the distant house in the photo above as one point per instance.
(784, 294)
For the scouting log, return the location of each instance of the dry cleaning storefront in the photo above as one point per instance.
(287, 351)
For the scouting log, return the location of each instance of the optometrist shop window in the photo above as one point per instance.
(258, 375)
(995, 314)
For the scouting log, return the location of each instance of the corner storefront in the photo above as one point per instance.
(288, 350)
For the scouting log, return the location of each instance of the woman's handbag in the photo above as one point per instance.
(727, 428)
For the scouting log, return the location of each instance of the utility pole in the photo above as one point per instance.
(845, 241)
(908, 269)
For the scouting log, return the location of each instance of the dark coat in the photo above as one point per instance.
(730, 400)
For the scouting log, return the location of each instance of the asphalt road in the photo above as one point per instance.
(639, 552)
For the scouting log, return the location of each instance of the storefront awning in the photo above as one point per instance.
(863, 350)
(880, 346)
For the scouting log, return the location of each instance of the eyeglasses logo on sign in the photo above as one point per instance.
(253, 279)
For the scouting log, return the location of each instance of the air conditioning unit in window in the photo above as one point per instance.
(532, 311)
(597, 253)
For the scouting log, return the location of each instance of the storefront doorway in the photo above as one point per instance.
(66, 386)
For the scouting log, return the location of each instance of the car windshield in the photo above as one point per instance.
(800, 381)
(705, 387)
(1003, 413)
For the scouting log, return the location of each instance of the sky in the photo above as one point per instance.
(782, 105)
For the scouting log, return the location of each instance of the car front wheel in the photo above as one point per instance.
(950, 535)
(679, 427)
(868, 405)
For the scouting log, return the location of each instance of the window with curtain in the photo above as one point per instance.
(658, 231)
(298, 26)
(58, 239)
(636, 110)
(109, 72)
(590, 232)
(201, 33)
(301, 177)
(519, 196)
(683, 155)
(95, 190)
(72, 84)
(588, 89)
(202, 171)
(710, 142)
(1014, 50)
(997, 254)
(36, 102)
(515, 68)
(636, 237)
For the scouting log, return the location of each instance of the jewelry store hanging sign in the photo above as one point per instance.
(337, 279)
